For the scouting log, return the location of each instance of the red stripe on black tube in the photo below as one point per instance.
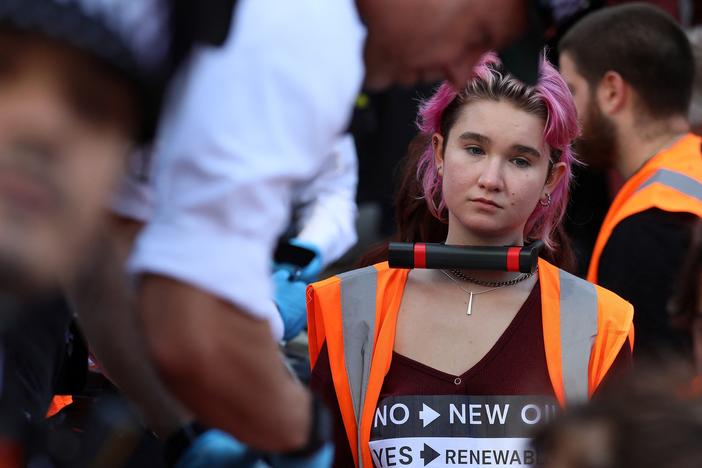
(420, 255)
(513, 258)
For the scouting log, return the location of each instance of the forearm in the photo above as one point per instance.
(106, 313)
(223, 365)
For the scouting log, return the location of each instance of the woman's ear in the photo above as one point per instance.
(557, 173)
(437, 144)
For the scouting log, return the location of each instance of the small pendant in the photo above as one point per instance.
(470, 304)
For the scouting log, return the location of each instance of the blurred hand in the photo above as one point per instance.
(217, 449)
(289, 296)
(322, 458)
(311, 271)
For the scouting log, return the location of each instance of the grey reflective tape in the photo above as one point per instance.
(676, 180)
(578, 304)
(358, 291)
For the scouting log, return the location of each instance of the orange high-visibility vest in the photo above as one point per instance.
(58, 402)
(584, 327)
(670, 181)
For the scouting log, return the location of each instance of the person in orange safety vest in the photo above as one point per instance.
(422, 364)
(633, 108)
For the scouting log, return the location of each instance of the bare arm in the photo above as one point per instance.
(224, 365)
(105, 308)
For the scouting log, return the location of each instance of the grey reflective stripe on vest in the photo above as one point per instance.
(578, 304)
(358, 291)
(676, 180)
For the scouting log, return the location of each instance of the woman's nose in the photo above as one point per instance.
(491, 175)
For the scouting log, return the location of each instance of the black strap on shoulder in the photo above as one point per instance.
(207, 23)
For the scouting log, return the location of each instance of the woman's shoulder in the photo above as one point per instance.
(379, 272)
(612, 300)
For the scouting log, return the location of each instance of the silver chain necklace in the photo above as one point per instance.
(496, 285)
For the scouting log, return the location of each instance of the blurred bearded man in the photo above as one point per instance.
(79, 87)
(630, 69)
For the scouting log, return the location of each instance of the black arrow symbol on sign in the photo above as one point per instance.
(428, 454)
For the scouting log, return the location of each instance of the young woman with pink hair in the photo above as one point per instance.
(458, 366)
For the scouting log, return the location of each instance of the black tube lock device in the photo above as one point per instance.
(434, 256)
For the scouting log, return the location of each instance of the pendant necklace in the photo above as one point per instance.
(497, 285)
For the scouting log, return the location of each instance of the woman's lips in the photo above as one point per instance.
(485, 202)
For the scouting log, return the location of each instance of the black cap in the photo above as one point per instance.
(132, 36)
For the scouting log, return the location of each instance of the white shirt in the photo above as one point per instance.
(134, 195)
(244, 124)
(329, 211)
(327, 203)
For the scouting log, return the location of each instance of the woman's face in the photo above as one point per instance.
(494, 168)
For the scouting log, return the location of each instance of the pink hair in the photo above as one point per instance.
(549, 99)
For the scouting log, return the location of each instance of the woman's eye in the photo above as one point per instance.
(521, 162)
(475, 150)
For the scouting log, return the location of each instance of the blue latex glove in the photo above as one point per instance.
(291, 301)
(217, 449)
(322, 458)
(310, 272)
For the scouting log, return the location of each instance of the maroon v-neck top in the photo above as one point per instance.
(515, 365)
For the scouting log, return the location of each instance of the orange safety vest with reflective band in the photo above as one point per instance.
(58, 402)
(584, 326)
(670, 181)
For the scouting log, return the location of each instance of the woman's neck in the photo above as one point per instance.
(465, 237)
(462, 236)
